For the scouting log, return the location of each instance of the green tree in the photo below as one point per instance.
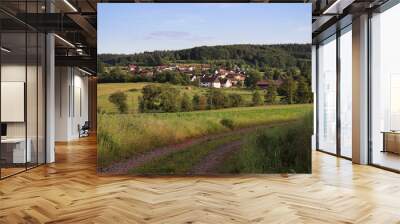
(150, 99)
(119, 99)
(169, 99)
(199, 102)
(257, 98)
(235, 100)
(252, 78)
(303, 93)
(272, 94)
(289, 89)
(186, 104)
(217, 99)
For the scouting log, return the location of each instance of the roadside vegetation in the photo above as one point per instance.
(282, 149)
(121, 136)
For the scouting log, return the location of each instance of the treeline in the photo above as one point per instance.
(166, 98)
(156, 98)
(117, 75)
(256, 56)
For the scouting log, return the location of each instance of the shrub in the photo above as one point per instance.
(257, 98)
(284, 149)
(228, 123)
(157, 98)
(199, 102)
(216, 99)
(119, 99)
(235, 100)
(170, 101)
(186, 104)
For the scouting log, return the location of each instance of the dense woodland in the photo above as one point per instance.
(260, 57)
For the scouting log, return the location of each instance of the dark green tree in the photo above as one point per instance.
(303, 93)
(252, 78)
(169, 100)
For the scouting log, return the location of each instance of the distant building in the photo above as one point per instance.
(235, 78)
(211, 82)
(225, 83)
(132, 67)
(263, 84)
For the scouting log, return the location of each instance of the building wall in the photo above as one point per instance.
(71, 102)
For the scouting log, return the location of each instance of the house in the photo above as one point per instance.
(235, 78)
(210, 81)
(193, 78)
(132, 67)
(225, 83)
(263, 84)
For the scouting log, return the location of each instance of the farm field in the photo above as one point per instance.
(124, 137)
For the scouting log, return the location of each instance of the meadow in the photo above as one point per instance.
(124, 136)
(133, 92)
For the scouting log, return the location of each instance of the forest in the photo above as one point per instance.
(282, 56)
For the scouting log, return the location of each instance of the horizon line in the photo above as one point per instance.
(218, 45)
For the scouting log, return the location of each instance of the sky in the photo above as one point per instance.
(125, 28)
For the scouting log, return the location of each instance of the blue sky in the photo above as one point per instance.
(133, 28)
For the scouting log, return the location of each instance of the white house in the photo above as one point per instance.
(212, 82)
(225, 83)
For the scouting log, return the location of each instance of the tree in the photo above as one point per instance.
(199, 102)
(289, 90)
(303, 93)
(150, 99)
(217, 99)
(252, 78)
(272, 93)
(186, 104)
(169, 99)
(257, 99)
(235, 100)
(119, 99)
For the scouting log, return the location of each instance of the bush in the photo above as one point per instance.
(257, 98)
(235, 100)
(199, 102)
(157, 98)
(216, 99)
(186, 104)
(284, 149)
(119, 99)
(228, 123)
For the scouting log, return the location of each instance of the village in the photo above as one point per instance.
(203, 75)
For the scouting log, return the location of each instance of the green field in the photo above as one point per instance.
(133, 91)
(124, 136)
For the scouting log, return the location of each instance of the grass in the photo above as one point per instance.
(182, 162)
(133, 91)
(122, 136)
(282, 149)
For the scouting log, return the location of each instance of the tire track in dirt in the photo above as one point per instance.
(124, 166)
(208, 164)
